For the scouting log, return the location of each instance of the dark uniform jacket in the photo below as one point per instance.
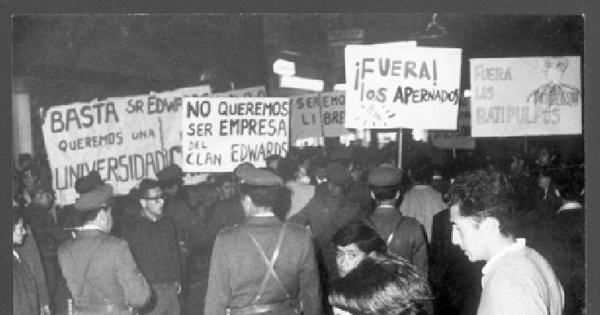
(408, 240)
(25, 295)
(237, 267)
(227, 213)
(113, 277)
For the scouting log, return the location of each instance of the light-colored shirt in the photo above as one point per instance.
(301, 194)
(422, 202)
(518, 280)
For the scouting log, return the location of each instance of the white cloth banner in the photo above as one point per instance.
(221, 133)
(125, 139)
(311, 112)
(394, 86)
(526, 96)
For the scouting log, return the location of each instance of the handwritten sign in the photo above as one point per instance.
(221, 133)
(526, 96)
(125, 139)
(460, 139)
(311, 111)
(393, 86)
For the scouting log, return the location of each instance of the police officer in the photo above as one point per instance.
(99, 269)
(404, 236)
(263, 266)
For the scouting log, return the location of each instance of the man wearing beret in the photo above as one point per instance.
(404, 236)
(99, 269)
(153, 241)
(262, 266)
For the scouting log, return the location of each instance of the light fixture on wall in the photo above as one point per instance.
(432, 31)
(284, 67)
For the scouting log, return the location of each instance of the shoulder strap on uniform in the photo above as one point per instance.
(87, 266)
(270, 264)
(394, 232)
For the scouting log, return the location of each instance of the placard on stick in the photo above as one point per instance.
(221, 133)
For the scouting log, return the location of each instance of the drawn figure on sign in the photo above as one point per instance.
(554, 92)
(375, 117)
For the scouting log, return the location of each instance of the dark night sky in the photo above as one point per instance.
(178, 48)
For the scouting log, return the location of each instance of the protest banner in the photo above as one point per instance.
(221, 133)
(461, 138)
(318, 114)
(526, 96)
(125, 139)
(395, 86)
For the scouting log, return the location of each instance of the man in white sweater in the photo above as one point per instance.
(516, 279)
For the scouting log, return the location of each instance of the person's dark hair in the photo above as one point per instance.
(205, 189)
(483, 194)
(284, 201)
(262, 196)
(170, 183)
(573, 183)
(365, 238)
(384, 192)
(223, 178)
(383, 285)
(422, 174)
(146, 185)
(421, 168)
(287, 169)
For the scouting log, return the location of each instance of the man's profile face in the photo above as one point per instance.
(154, 201)
(466, 233)
(227, 189)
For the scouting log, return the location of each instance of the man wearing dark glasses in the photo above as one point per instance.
(153, 241)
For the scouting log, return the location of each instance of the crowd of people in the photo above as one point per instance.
(313, 233)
